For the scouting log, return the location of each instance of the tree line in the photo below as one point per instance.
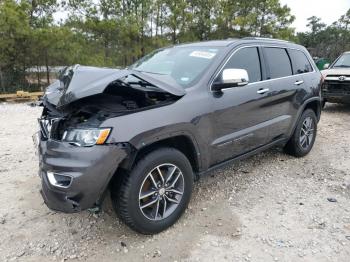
(116, 33)
(327, 41)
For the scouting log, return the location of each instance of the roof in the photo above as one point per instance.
(226, 42)
(229, 41)
(266, 39)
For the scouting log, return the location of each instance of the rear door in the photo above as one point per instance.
(285, 87)
(303, 71)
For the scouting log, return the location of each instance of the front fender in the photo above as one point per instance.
(160, 134)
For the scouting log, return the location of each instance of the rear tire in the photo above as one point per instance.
(163, 177)
(303, 138)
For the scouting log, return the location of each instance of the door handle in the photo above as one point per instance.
(298, 83)
(263, 91)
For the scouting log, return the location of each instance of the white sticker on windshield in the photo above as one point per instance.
(203, 54)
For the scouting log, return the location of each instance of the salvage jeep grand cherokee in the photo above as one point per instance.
(146, 132)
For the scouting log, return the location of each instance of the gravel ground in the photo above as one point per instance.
(271, 207)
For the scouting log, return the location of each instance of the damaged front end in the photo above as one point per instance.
(77, 153)
(87, 96)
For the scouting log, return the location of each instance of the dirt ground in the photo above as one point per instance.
(271, 207)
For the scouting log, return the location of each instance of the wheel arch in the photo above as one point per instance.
(181, 142)
(314, 104)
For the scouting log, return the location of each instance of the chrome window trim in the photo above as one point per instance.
(266, 80)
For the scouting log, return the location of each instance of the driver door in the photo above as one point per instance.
(241, 114)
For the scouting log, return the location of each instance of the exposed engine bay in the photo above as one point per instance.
(127, 95)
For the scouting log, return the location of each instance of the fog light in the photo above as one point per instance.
(59, 180)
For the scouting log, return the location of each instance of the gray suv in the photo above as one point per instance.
(147, 132)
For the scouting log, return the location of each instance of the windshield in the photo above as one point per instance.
(183, 64)
(343, 61)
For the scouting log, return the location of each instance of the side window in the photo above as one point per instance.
(300, 62)
(247, 58)
(278, 62)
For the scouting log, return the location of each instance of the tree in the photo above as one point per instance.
(14, 34)
(344, 21)
(272, 19)
(315, 24)
(327, 41)
(116, 33)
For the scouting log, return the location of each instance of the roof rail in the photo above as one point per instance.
(264, 38)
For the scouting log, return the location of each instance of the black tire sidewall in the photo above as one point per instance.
(137, 176)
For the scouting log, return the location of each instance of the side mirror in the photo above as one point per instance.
(231, 78)
(326, 66)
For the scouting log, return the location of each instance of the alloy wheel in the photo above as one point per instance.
(307, 133)
(161, 192)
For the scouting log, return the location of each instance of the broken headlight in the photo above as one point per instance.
(86, 137)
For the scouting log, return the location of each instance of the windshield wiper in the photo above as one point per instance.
(141, 83)
(345, 66)
(145, 85)
(155, 73)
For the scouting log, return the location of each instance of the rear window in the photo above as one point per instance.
(300, 62)
(278, 62)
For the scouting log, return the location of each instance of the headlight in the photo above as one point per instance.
(86, 137)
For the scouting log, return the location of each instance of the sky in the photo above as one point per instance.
(328, 10)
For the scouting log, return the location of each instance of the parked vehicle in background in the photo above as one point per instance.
(147, 131)
(336, 85)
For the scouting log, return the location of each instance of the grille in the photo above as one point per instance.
(45, 128)
(337, 87)
(50, 128)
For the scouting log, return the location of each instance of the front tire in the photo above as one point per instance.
(154, 195)
(303, 138)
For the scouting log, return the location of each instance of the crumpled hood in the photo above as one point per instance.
(336, 71)
(83, 81)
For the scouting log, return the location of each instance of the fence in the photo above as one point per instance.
(30, 80)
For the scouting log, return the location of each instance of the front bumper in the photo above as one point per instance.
(90, 168)
(336, 97)
(334, 90)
